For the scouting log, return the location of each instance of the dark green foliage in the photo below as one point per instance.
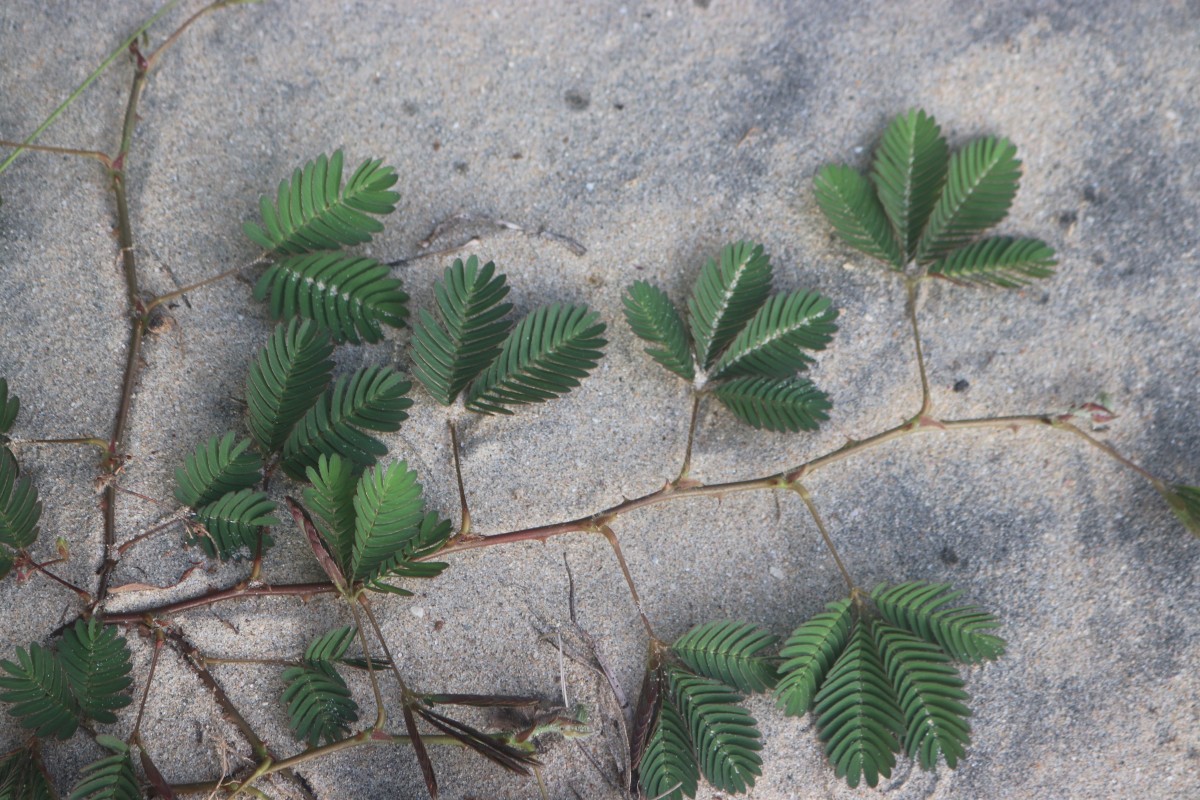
(285, 380)
(111, 777)
(729, 652)
(40, 693)
(726, 295)
(776, 404)
(908, 173)
(313, 213)
(924, 609)
(669, 770)
(547, 355)
(856, 214)
(216, 468)
(447, 356)
(23, 778)
(652, 317)
(318, 702)
(1001, 261)
(9, 408)
(772, 342)
(331, 646)
(388, 510)
(331, 499)
(432, 535)
(808, 654)
(19, 506)
(979, 189)
(97, 664)
(723, 734)
(346, 295)
(231, 525)
(1185, 502)
(373, 399)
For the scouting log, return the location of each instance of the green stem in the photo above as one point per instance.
(380, 711)
(913, 288)
(691, 438)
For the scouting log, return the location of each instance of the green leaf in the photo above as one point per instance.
(770, 345)
(669, 770)
(111, 777)
(728, 652)
(370, 399)
(978, 192)
(346, 295)
(446, 357)
(808, 654)
(331, 498)
(313, 213)
(922, 608)
(9, 407)
(547, 355)
(909, 171)
(432, 536)
(787, 404)
(726, 295)
(931, 696)
(724, 735)
(1000, 261)
(857, 713)
(22, 776)
(318, 703)
(1185, 502)
(654, 319)
(19, 506)
(231, 525)
(216, 468)
(389, 511)
(40, 693)
(6, 565)
(850, 205)
(286, 379)
(97, 663)
(331, 646)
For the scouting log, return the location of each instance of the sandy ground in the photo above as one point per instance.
(652, 133)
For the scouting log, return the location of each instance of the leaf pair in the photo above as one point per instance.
(545, 356)
(317, 699)
(741, 333)
(313, 216)
(878, 685)
(923, 204)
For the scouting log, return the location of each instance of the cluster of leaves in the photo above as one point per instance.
(19, 506)
(545, 356)
(751, 341)
(877, 684)
(318, 702)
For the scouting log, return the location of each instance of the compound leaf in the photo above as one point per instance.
(19, 506)
(728, 652)
(849, 203)
(547, 355)
(217, 467)
(771, 344)
(389, 511)
(346, 295)
(1185, 502)
(787, 404)
(9, 407)
(330, 646)
(668, 769)
(319, 704)
(1000, 261)
(230, 526)
(373, 398)
(727, 294)
(923, 609)
(286, 379)
(654, 319)
(111, 777)
(433, 534)
(331, 498)
(97, 664)
(446, 357)
(40, 693)
(22, 776)
(808, 654)
(908, 172)
(312, 212)
(724, 735)
(978, 192)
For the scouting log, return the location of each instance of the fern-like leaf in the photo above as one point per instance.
(547, 355)
(22, 776)
(771, 344)
(445, 359)
(1000, 261)
(727, 294)
(346, 295)
(857, 713)
(312, 212)
(97, 663)
(979, 189)
(724, 735)
(373, 398)
(909, 170)
(331, 498)
(668, 769)
(111, 777)
(216, 468)
(231, 525)
(1185, 502)
(432, 536)
(19, 506)
(849, 203)
(286, 379)
(924, 609)
(331, 646)
(728, 652)
(9, 408)
(318, 702)
(654, 319)
(389, 511)
(931, 696)
(40, 693)
(808, 654)
(787, 404)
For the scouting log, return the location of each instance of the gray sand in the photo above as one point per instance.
(652, 133)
